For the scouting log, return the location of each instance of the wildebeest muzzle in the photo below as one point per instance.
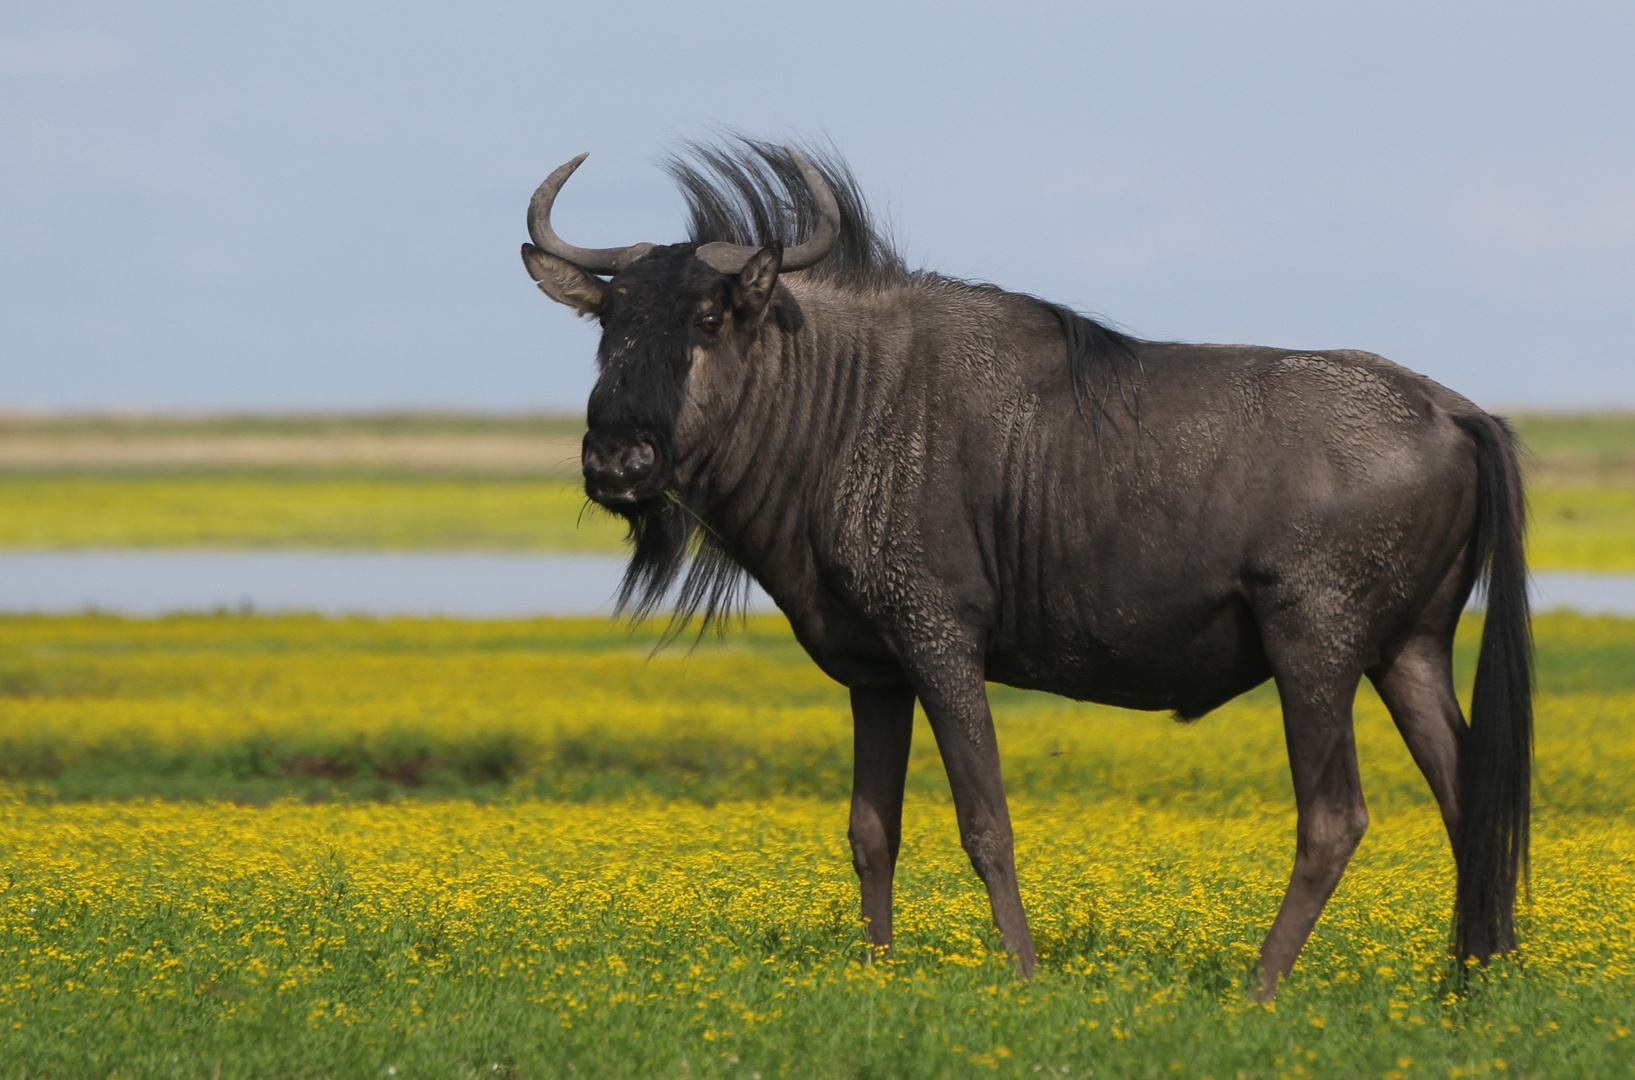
(621, 472)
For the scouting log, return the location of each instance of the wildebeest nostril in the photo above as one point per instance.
(594, 463)
(637, 460)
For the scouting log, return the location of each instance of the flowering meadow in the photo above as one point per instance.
(290, 847)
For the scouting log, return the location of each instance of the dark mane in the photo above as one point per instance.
(748, 191)
(1104, 364)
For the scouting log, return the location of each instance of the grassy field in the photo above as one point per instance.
(1582, 528)
(529, 849)
(506, 483)
(295, 510)
(252, 709)
(1586, 448)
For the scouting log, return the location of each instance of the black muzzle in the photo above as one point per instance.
(621, 472)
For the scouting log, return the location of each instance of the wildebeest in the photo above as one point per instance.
(941, 482)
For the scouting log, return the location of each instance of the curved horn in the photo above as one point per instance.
(730, 258)
(595, 260)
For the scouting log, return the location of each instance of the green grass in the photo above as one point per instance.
(638, 939)
(300, 510)
(682, 903)
(1582, 528)
(1564, 442)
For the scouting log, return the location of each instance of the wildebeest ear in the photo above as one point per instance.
(564, 282)
(752, 288)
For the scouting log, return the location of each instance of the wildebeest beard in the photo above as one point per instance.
(666, 536)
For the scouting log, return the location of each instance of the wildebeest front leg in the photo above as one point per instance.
(883, 727)
(963, 725)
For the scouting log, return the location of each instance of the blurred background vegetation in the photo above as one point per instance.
(388, 481)
(472, 482)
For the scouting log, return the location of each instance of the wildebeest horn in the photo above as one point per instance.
(594, 260)
(730, 258)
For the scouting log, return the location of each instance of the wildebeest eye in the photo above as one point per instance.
(709, 322)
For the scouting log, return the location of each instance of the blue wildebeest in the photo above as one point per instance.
(942, 482)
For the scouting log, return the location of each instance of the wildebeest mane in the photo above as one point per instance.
(1103, 364)
(749, 191)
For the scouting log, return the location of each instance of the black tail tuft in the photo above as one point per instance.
(1495, 760)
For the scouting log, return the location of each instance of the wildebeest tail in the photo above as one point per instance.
(1495, 760)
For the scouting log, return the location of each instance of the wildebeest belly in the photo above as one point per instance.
(1188, 654)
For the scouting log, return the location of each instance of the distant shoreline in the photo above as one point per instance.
(533, 443)
(1564, 448)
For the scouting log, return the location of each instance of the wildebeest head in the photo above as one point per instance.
(679, 325)
(668, 314)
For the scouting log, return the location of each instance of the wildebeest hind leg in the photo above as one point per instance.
(957, 706)
(883, 727)
(1417, 686)
(1316, 695)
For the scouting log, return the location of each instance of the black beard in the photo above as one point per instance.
(667, 536)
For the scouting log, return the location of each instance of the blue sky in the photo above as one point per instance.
(318, 205)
